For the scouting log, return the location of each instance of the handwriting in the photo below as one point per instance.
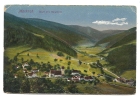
(43, 11)
(25, 11)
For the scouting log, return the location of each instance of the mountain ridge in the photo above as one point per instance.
(18, 32)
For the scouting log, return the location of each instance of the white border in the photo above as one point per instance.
(70, 2)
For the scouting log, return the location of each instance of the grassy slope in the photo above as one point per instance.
(45, 56)
(130, 74)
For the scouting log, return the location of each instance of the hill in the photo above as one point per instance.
(111, 40)
(94, 34)
(112, 32)
(125, 40)
(123, 58)
(60, 31)
(18, 32)
(121, 53)
(88, 31)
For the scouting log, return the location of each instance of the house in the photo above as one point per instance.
(88, 78)
(34, 75)
(55, 73)
(68, 79)
(131, 83)
(25, 64)
(115, 80)
(75, 78)
(31, 75)
(123, 80)
(74, 72)
(24, 70)
(52, 72)
(15, 76)
(17, 66)
(35, 70)
(81, 78)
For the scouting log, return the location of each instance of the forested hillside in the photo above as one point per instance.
(121, 51)
(18, 32)
(123, 58)
(111, 40)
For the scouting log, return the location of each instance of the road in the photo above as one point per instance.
(110, 72)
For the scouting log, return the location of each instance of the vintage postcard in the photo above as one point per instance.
(61, 49)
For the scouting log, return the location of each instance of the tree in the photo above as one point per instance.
(93, 73)
(21, 75)
(15, 58)
(43, 68)
(69, 58)
(10, 83)
(25, 86)
(28, 54)
(68, 72)
(37, 56)
(99, 64)
(17, 54)
(69, 62)
(60, 53)
(85, 71)
(28, 67)
(73, 88)
(80, 62)
(55, 59)
(22, 59)
(68, 67)
(31, 62)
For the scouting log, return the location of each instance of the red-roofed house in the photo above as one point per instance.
(55, 73)
(58, 74)
(88, 78)
(75, 78)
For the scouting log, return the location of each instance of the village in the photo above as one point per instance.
(74, 75)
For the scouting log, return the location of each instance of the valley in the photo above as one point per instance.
(46, 57)
(86, 55)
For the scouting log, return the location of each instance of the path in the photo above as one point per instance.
(110, 72)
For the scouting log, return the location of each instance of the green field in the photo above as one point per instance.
(46, 56)
(131, 74)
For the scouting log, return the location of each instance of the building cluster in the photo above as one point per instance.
(130, 82)
(75, 74)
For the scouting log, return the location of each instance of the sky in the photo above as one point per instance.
(97, 17)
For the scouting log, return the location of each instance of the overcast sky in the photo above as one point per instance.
(97, 17)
